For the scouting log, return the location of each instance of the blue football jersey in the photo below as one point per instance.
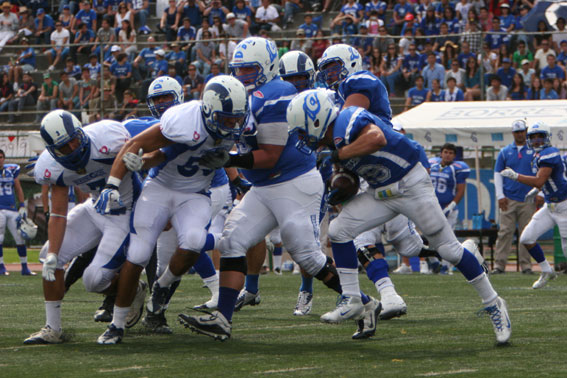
(385, 166)
(365, 83)
(7, 196)
(220, 178)
(445, 179)
(555, 188)
(268, 106)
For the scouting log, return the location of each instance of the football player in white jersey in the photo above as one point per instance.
(398, 184)
(81, 157)
(177, 189)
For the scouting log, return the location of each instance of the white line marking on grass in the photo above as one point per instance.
(122, 369)
(449, 372)
(285, 370)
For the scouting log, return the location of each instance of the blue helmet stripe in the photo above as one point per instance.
(224, 96)
(301, 60)
(46, 137)
(68, 123)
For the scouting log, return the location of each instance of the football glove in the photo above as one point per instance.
(49, 266)
(241, 185)
(132, 161)
(449, 208)
(214, 159)
(22, 212)
(531, 195)
(510, 173)
(109, 201)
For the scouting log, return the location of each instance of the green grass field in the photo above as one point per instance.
(440, 336)
(10, 255)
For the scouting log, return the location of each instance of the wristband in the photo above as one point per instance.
(245, 161)
(22, 204)
(236, 181)
(113, 182)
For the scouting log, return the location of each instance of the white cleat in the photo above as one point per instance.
(393, 306)
(304, 303)
(424, 267)
(137, 307)
(211, 304)
(347, 309)
(471, 246)
(213, 325)
(246, 298)
(367, 325)
(296, 268)
(46, 335)
(543, 279)
(403, 269)
(111, 336)
(500, 321)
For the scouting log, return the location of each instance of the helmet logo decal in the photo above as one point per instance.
(272, 50)
(311, 106)
(353, 53)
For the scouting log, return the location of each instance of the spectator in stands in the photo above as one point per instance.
(67, 18)
(472, 80)
(409, 24)
(485, 19)
(319, 46)
(452, 92)
(405, 42)
(193, 84)
(401, 9)
(68, 92)
(88, 89)
(129, 108)
(410, 66)
(121, 72)
(206, 54)
(235, 28)
(141, 10)
(48, 96)
(308, 26)
(6, 92)
(186, 33)
(374, 23)
(205, 27)
(541, 55)
(443, 37)
(215, 71)
(527, 72)
(301, 43)
(8, 24)
(548, 93)
(462, 9)
(169, 21)
(59, 45)
(553, 72)
(540, 38)
(377, 8)
(562, 56)
(465, 54)
(93, 66)
(433, 70)
(535, 89)
(193, 9)
(127, 34)
(26, 25)
(243, 12)
(107, 100)
(560, 34)
(83, 36)
(472, 37)
(449, 54)
(216, 9)
(226, 50)
(521, 54)
(100, 10)
(496, 38)
(417, 94)
(436, 94)
(457, 73)
(160, 65)
(518, 90)
(352, 12)
(74, 70)
(172, 72)
(390, 69)
(506, 72)
(376, 62)
(111, 7)
(144, 62)
(489, 62)
(267, 16)
(384, 41)
(427, 49)
(24, 63)
(25, 96)
(114, 51)
(85, 16)
(496, 91)
(507, 20)
(123, 14)
(430, 23)
(105, 36)
(291, 7)
(177, 58)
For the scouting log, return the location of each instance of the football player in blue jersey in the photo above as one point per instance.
(286, 191)
(398, 184)
(550, 172)
(340, 69)
(10, 188)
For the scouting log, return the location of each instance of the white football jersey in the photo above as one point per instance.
(181, 171)
(107, 138)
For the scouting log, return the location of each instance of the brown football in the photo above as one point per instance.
(344, 184)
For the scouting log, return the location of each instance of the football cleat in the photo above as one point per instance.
(3, 271)
(111, 336)
(46, 335)
(278, 271)
(367, 325)
(348, 308)
(296, 268)
(246, 298)
(393, 306)
(137, 306)
(403, 269)
(543, 279)
(27, 272)
(472, 247)
(105, 311)
(211, 304)
(424, 267)
(158, 300)
(156, 323)
(213, 325)
(500, 320)
(304, 303)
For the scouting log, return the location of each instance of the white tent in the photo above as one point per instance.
(476, 124)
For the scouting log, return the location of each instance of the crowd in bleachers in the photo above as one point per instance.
(431, 49)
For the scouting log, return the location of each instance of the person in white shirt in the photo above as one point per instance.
(60, 45)
(267, 16)
(8, 24)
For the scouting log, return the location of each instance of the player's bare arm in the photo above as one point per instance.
(370, 140)
(538, 180)
(357, 99)
(58, 219)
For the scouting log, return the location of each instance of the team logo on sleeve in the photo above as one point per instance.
(47, 173)
(258, 94)
(338, 140)
(196, 136)
(103, 150)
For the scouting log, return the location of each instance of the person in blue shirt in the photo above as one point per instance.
(436, 93)
(417, 94)
(86, 16)
(562, 56)
(83, 36)
(511, 196)
(552, 71)
(506, 72)
(397, 184)
(410, 65)
(74, 70)
(547, 92)
(465, 54)
(352, 11)
(44, 25)
(309, 27)
(430, 23)
(375, 5)
(507, 20)
(186, 32)
(401, 9)
(24, 63)
(121, 71)
(93, 66)
(432, 71)
(144, 62)
(452, 92)
(10, 189)
(215, 71)
(177, 58)
(409, 24)
(496, 40)
(548, 175)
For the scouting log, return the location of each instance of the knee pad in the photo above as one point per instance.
(338, 233)
(408, 246)
(366, 254)
(451, 252)
(334, 283)
(237, 264)
(97, 279)
(193, 239)
(140, 251)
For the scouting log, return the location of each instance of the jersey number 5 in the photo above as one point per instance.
(191, 167)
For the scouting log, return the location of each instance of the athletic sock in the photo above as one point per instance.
(377, 269)
(22, 252)
(537, 253)
(53, 315)
(119, 316)
(212, 283)
(484, 288)
(204, 266)
(167, 278)
(306, 284)
(1, 254)
(251, 283)
(347, 267)
(385, 287)
(227, 301)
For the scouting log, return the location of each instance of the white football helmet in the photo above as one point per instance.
(161, 86)
(259, 53)
(309, 114)
(539, 128)
(349, 62)
(58, 128)
(297, 68)
(225, 106)
(27, 228)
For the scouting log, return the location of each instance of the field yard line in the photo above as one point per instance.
(123, 369)
(449, 372)
(286, 327)
(285, 370)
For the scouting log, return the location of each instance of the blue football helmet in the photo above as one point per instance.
(297, 68)
(337, 62)
(161, 86)
(258, 53)
(58, 128)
